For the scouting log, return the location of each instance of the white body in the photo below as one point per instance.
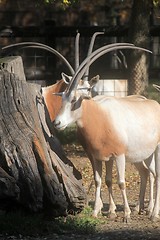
(126, 129)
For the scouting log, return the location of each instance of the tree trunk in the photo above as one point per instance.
(34, 171)
(138, 35)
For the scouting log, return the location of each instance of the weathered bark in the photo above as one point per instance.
(138, 35)
(35, 171)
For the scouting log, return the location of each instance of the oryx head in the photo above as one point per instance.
(72, 98)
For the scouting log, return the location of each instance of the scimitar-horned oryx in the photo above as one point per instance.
(51, 99)
(53, 104)
(114, 127)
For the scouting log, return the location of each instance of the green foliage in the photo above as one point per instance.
(156, 3)
(81, 223)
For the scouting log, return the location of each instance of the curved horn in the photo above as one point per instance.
(87, 59)
(77, 51)
(93, 57)
(90, 49)
(11, 48)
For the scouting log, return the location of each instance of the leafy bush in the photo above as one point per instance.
(82, 223)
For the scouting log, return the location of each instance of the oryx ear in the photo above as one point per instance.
(94, 80)
(156, 87)
(66, 78)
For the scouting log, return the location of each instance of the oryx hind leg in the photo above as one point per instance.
(150, 164)
(144, 173)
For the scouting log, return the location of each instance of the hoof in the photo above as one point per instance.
(126, 219)
(138, 210)
(141, 212)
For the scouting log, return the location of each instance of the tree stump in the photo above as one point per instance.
(34, 171)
